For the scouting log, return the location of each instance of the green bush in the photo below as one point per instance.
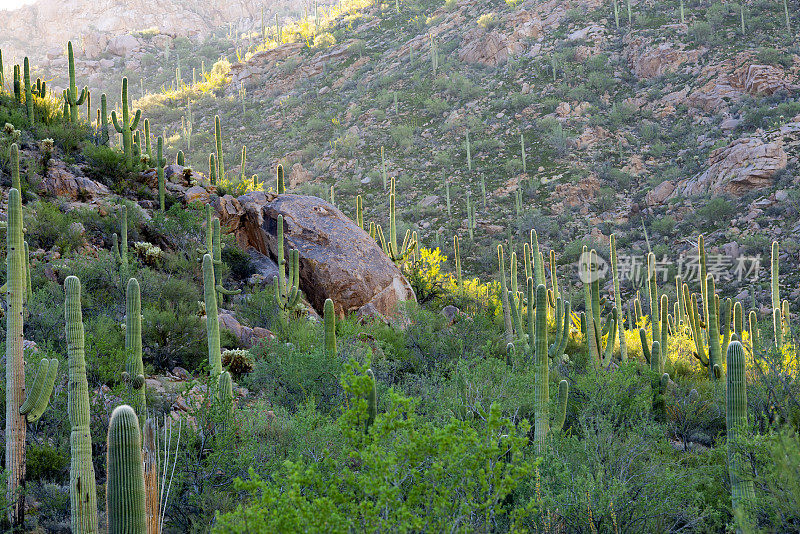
(109, 166)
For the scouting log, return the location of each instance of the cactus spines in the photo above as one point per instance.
(652, 286)
(372, 401)
(180, 159)
(83, 498)
(738, 319)
(121, 251)
(71, 97)
(212, 317)
(218, 140)
(217, 257)
(160, 162)
(125, 494)
(128, 125)
(39, 395)
(656, 361)
(28, 91)
(281, 185)
(329, 318)
(742, 490)
(561, 408)
(133, 349)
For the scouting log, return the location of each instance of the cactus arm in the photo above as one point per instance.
(136, 119)
(645, 347)
(727, 308)
(84, 96)
(664, 330)
(133, 348)
(117, 123)
(224, 291)
(225, 389)
(39, 394)
(509, 333)
(561, 408)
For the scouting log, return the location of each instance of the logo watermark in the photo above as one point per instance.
(687, 266)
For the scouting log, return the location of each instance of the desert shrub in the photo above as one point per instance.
(237, 361)
(45, 462)
(110, 167)
(238, 261)
(390, 468)
(175, 336)
(51, 227)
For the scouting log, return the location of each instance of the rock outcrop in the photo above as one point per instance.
(745, 164)
(338, 259)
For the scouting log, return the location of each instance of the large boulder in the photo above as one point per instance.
(745, 164)
(60, 181)
(338, 260)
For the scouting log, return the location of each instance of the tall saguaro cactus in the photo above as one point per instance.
(82, 493)
(125, 502)
(281, 185)
(134, 366)
(287, 291)
(212, 317)
(160, 162)
(543, 425)
(19, 410)
(742, 490)
(127, 126)
(623, 348)
(220, 163)
(28, 91)
(71, 97)
(103, 123)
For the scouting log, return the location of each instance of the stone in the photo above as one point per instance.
(181, 373)
(337, 258)
(451, 313)
(61, 182)
(123, 45)
(480, 46)
(245, 335)
(660, 193)
(299, 175)
(264, 266)
(745, 164)
(196, 194)
(428, 201)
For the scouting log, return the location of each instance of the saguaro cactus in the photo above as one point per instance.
(71, 97)
(216, 243)
(281, 185)
(212, 317)
(104, 137)
(28, 91)
(543, 426)
(218, 139)
(329, 318)
(225, 389)
(623, 348)
(133, 348)
(398, 254)
(287, 291)
(160, 162)
(742, 490)
(212, 169)
(121, 249)
(82, 494)
(127, 126)
(125, 495)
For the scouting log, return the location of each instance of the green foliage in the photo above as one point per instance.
(386, 471)
(110, 167)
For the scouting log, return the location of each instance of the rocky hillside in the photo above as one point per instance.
(678, 120)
